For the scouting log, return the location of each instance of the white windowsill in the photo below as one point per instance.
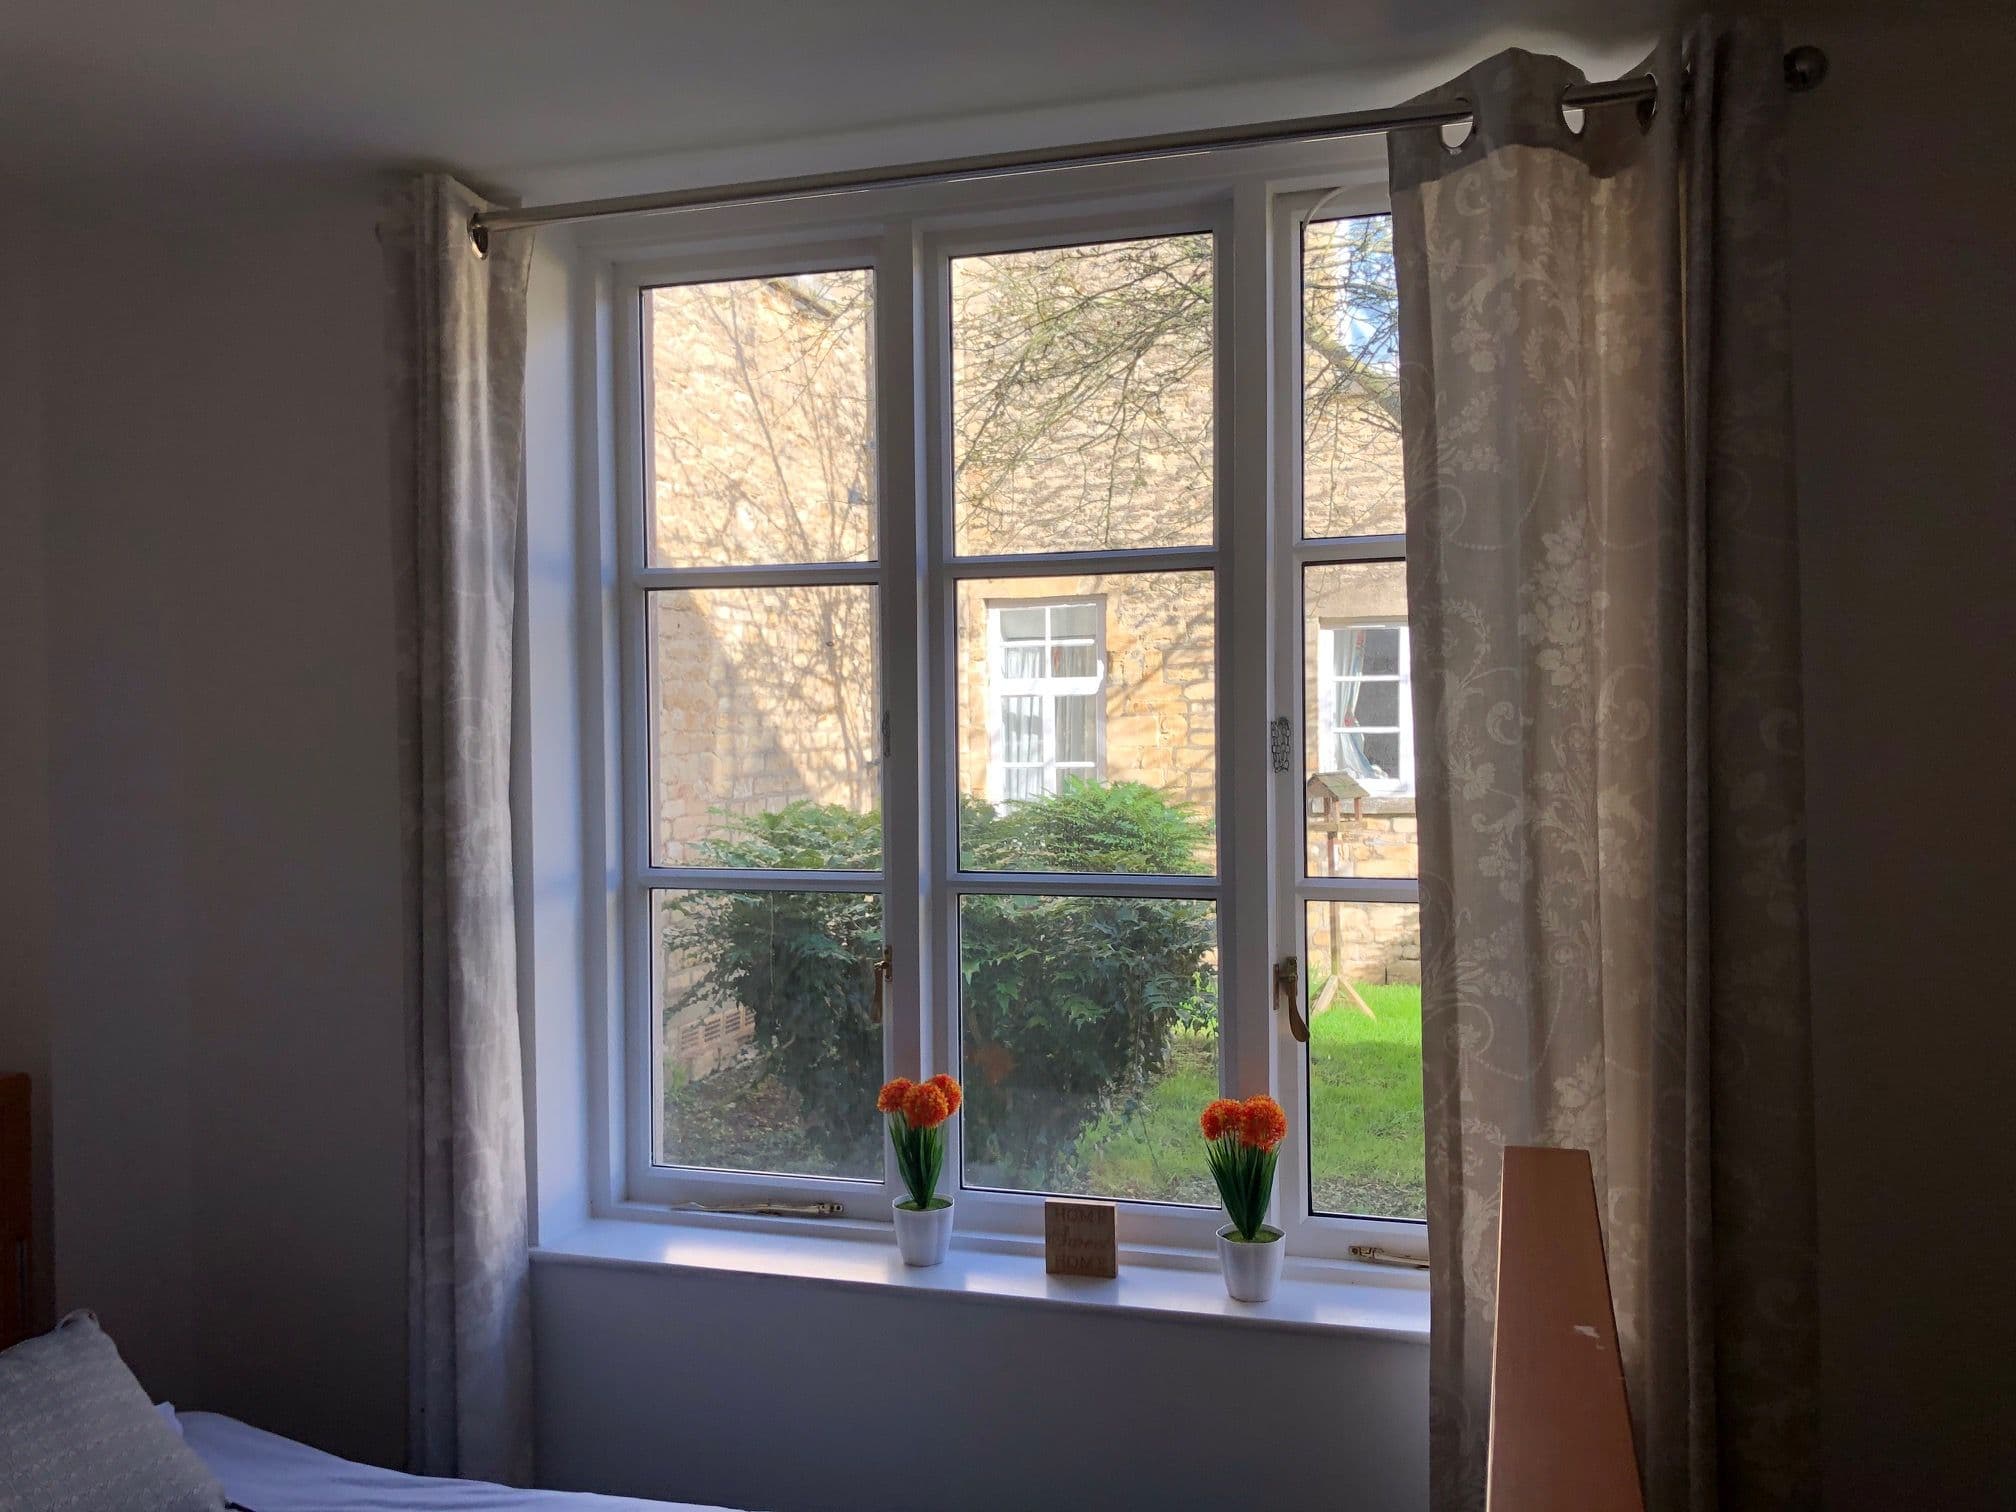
(1345, 1298)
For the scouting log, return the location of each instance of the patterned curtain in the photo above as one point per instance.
(1604, 598)
(458, 346)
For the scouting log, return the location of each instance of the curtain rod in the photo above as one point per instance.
(1805, 67)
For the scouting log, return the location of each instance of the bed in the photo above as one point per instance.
(263, 1472)
(73, 1392)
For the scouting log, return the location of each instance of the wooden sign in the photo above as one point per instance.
(1079, 1238)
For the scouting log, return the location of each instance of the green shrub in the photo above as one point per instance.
(1069, 1007)
(1069, 1002)
(800, 963)
(1087, 827)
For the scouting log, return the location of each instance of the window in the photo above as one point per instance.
(1046, 675)
(757, 611)
(951, 604)
(1083, 380)
(1354, 923)
(1367, 706)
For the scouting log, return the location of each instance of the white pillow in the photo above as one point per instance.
(77, 1431)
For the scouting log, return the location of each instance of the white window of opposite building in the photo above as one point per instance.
(1366, 706)
(1047, 670)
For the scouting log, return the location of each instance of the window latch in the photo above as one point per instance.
(884, 969)
(1288, 993)
(1372, 1254)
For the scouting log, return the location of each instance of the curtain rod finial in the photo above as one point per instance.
(1805, 67)
(479, 236)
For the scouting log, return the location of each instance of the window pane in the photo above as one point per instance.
(1365, 1131)
(1374, 703)
(767, 751)
(1373, 758)
(769, 1052)
(1076, 717)
(1022, 624)
(1090, 1043)
(1378, 653)
(1351, 482)
(1022, 729)
(1081, 396)
(1075, 659)
(1022, 661)
(1074, 619)
(762, 420)
(1147, 801)
(1359, 809)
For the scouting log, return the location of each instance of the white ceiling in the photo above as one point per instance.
(491, 85)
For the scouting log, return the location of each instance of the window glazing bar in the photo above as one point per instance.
(1086, 884)
(729, 879)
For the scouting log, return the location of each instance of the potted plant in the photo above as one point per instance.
(1242, 1142)
(917, 1112)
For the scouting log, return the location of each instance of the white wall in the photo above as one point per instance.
(1904, 240)
(24, 713)
(549, 776)
(225, 960)
(758, 1391)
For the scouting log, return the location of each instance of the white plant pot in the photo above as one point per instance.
(1252, 1271)
(924, 1235)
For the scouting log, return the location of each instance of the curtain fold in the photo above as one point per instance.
(458, 350)
(1603, 594)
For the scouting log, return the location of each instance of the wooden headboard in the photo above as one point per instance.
(16, 1209)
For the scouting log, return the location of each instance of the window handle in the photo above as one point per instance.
(1288, 991)
(884, 968)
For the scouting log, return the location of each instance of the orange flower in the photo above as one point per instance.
(925, 1106)
(1262, 1124)
(890, 1098)
(953, 1095)
(1222, 1117)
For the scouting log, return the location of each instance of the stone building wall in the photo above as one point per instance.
(763, 452)
(763, 696)
(761, 399)
(1377, 943)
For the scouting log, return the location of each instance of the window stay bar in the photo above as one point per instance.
(1805, 67)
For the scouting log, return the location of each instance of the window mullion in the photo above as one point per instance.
(1245, 479)
(931, 440)
(906, 819)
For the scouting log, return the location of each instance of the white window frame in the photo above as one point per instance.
(1048, 689)
(1328, 683)
(907, 236)
(1294, 888)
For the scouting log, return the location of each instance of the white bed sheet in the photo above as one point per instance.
(267, 1473)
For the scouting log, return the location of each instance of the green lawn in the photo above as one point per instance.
(1365, 1077)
